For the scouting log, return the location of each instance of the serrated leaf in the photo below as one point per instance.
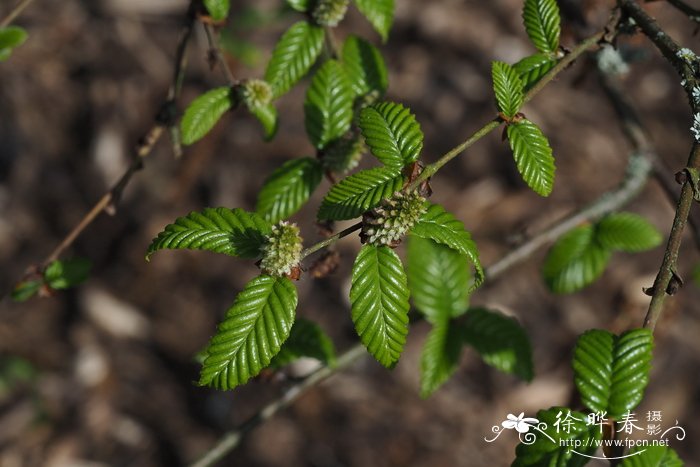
(652, 456)
(442, 227)
(612, 372)
(541, 18)
(533, 156)
(300, 5)
(392, 134)
(25, 290)
(380, 14)
(500, 340)
(439, 278)
(440, 356)
(204, 112)
(564, 431)
(293, 56)
(328, 105)
(306, 339)
(11, 37)
(531, 69)
(218, 9)
(508, 88)
(574, 261)
(67, 273)
(379, 299)
(233, 232)
(267, 116)
(627, 232)
(360, 192)
(252, 332)
(288, 188)
(364, 66)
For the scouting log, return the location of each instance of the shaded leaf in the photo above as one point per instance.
(541, 18)
(508, 88)
(293, 56)
(612, 372)
(203, 113)
(300, 5)
(364, 66)
(233, 232)
(440, 356)
(288, 188)
(392, 133)
(380, 14)
(306, 339)
(379, 299)
(533, 156)
(252, 332)
(26, 290)
(359, 192)
(267, 116)
(652, 456)
(531, 69)
(218, 9)
(627, 232)
(68, 273)
(328, 105)
(11, 37)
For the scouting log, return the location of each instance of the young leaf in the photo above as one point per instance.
(26, 290)
(359, 192)
(442, 227)
(627, 232)
(438, 277)
(252, 332)
(203, 113)
(11, 37)
(541, 18)
(533, 156)
(218, 9)
(508, 88)
(379, 299)
(288, 188)
(306, 339)
(233, 232)
(380, 13)
(293, 56)
(575, 261)
(328, 105)
(64, 274)
(564, 431)
(300, 5)
(440, 356)
(652, 456)
(364, 66)
(531, 69)
(500, 340)
(267, 116)
(612, 372)
(392, 134)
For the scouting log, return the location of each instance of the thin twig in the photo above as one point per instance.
(216, 51)
(16, 11)
(692, 13)
(330, 240)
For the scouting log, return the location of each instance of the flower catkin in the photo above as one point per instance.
(282, 250)
(392, 219)
(256, 93)
(329, 12)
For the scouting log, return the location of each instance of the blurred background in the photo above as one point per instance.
(102, 374)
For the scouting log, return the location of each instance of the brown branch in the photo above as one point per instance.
(16, 11)
(692, 13)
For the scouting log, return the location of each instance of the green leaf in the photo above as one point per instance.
(438, 277)
(652, 456)
(359, 192)
(541, 18)
(533, 156)
(11, 37)
(306, 339)
(252, 332)
(440, 356)
(328, 105)
(218, 9)
(508, 88)
(442, 227)
(500, 340)
(380, 13)
(233, 232)
(267, 116)
(392, 133)
(364, 66)
(627, 232)
(564, 432)
(379, 299)
(531, 69)
(575, 261)
(300, 5)
(288, 188)
(64, 274)
(612, 372)
(203, 113)
(26, 290)
(293, 56)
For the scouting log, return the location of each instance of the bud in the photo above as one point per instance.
(329, 12)
(392, 219)
(256, 93)
(282, 250)
(343, 155)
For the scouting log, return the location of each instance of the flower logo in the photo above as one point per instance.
(520, 423)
